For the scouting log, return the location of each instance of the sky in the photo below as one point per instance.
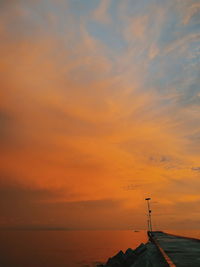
(99, 109)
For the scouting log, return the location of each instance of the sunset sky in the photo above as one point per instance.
(99, 108)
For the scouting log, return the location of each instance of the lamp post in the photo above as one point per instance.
(149, 214)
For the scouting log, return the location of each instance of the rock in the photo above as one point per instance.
(117, 261)
(130, 257)
(142, 261)
(129, 252)
(145, 255)
(139, 250)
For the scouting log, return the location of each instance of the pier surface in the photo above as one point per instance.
(178, 251)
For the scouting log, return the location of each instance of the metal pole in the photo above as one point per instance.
(148, 223)
(149, 214)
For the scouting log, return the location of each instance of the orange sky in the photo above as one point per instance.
(99, 109)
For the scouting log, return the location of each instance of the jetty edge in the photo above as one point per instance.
(145, 255)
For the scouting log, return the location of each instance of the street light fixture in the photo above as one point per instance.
(149, 214)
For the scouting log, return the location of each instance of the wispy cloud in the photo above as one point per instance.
(101, 13)
(100, 100)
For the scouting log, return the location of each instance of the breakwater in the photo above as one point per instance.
(162, 250)
(145, 255)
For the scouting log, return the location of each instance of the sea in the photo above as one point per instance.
(69, 248)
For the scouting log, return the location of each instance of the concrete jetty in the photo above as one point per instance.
(177, 250)
(162, 250)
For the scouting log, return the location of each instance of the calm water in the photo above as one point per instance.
(63, 248)
(68, 248)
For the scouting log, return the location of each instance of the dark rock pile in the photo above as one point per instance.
(146, 255)
(126, 259)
